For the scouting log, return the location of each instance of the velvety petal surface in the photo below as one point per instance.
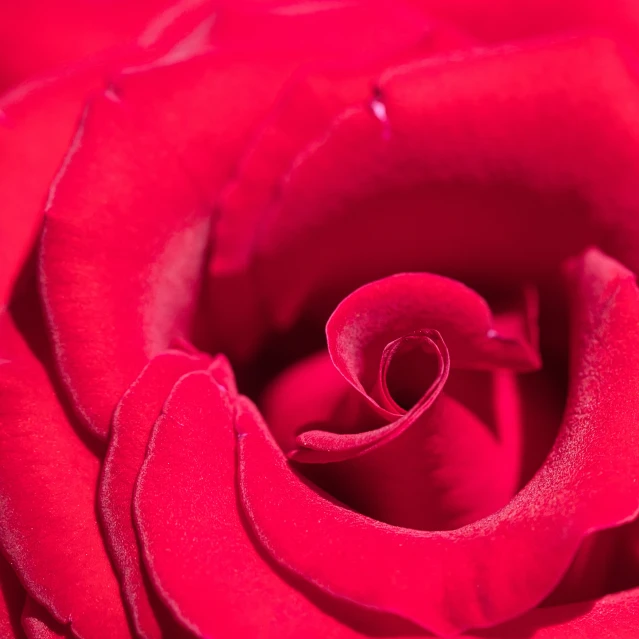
(501, 20)
(303, 115)
(48, 478)
(11, 601)
(35, 39)
(27, 167)
(369, 328)
(386, 310)
(132, 422)
(37, 623)
(478, 575)
(116, 285)
(191, 140)
(447, 469)
(466, 136)
(612, 617)
(201, 560)
(50, 108)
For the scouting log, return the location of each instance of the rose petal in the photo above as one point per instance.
(354, 32)
(180, 105)
(11, 601)
(37, 623)
(193, 139)
(212, 577)
(468, 139)
(49, 109)
(34, 41)
(613, 617)
(116, 285)
(43, 112)
(591, 573)
(497, 21)
(303, 113)
(478, 575)
(312, 392)
(380, 316)
(132, 422)
(447, 470)
(48, 479)
(319, 446)
(378, 313)
(401, 483)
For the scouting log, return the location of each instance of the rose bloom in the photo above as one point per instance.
(319, 319)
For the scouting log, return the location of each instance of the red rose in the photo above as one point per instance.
(321, 322)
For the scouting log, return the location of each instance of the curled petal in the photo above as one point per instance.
(458, 462)
(318, 446)
(464, 143)
(372, 324)
(614, 616)
(385, 310)
(478, 575)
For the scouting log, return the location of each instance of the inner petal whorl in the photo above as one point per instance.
(410, 367)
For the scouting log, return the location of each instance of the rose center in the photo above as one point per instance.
(410, 366)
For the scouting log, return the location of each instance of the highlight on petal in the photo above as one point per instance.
(48, 478)
(503, 565)
(134, 417)
(37, 623)
(201, 560)
(43, 111)
(120, 287)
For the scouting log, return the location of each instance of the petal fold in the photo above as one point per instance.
(48, 479)
(479, 575)
(200, 558)
(132, 423)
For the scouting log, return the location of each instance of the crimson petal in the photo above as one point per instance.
(371, 323)
(132, 422)
(40, 111)
(33, 41)
(49, 530)
(503, 565)
(318, 446)
(37, 623)
(11, 601)
(378, 313)
(615, 616)
(49, 108)
(408, 481)
(138, 301)
(200, 558)
(579, 182)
